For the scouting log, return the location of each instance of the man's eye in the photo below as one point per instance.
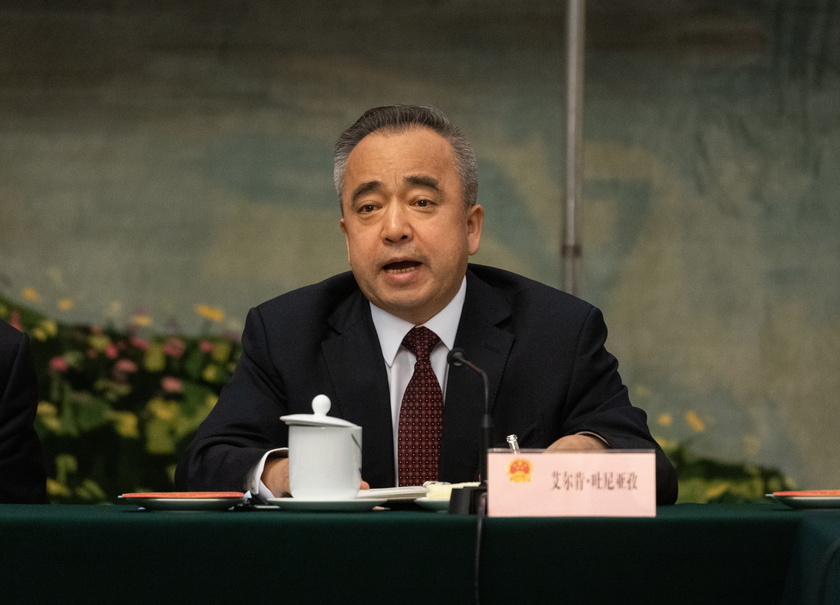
(366, 208)
(424, 203)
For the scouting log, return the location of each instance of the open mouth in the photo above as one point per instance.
(402, 266)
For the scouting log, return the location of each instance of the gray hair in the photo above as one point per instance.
(395, 119)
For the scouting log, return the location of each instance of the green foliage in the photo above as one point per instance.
(710, 480)
(119, 405)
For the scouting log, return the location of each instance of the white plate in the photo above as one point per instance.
(442, 506)
(808, 499)
(333, 506)
(410, 492)
(190, 503)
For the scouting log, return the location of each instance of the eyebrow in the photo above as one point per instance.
(423, 181)
(416, 180)
(365, 188)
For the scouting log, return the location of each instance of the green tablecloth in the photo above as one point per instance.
(815, 566)
(749, 553)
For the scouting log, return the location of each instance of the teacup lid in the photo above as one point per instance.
(320, 405)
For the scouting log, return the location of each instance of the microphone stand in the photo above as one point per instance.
(468, 500)
(473, 500)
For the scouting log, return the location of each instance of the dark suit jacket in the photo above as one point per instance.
(22, 476)
(542, 349)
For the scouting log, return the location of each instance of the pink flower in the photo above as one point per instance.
(171, 384)
(111, 351)
(125, 365)
(139, 343)
(122, 369)
(205, 346)
(58, 364)
(92, 353)
(174, 347)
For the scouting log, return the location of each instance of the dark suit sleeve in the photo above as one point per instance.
(22, 476)
(600, 404)
(244, 424)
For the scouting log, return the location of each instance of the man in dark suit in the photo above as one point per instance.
(406, 179)
(22, 476)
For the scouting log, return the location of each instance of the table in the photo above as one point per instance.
(689, 553)
(814, 575)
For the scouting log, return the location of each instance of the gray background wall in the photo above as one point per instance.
(158, 155)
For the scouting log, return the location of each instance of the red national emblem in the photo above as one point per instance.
(519, 470)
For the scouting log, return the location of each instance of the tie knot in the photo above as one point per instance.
(420, 341)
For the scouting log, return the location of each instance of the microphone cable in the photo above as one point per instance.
(480, 513)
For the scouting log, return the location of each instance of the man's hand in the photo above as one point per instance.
(577, 442)
(275, 476)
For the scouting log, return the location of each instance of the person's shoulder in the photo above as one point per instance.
(531, 307)
(520, 289)
(9, 335)
(317, 299)
(13, 343)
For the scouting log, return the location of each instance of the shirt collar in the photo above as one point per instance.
(391, 329)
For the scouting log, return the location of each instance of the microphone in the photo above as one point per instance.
(456, 358)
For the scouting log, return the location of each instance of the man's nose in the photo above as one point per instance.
(396, 226)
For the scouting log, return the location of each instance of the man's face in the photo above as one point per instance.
(407, 230)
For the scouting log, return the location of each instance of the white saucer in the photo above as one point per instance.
(393, 493)
(352, 505)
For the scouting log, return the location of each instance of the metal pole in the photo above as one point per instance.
(571, 254)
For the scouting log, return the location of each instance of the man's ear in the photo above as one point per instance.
(346, 240)
(475, 223)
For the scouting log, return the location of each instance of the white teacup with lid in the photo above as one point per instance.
(325, 454)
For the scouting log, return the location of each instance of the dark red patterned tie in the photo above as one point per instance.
(421, 414)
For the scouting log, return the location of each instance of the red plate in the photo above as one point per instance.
(814, 498)
(185, 500)
(810, 493)
(184, 495)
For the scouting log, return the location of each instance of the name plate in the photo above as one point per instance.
(539, 483)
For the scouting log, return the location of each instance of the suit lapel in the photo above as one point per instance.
(357, 371)
(488, 347)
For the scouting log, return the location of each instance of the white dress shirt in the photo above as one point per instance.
(399, 361)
